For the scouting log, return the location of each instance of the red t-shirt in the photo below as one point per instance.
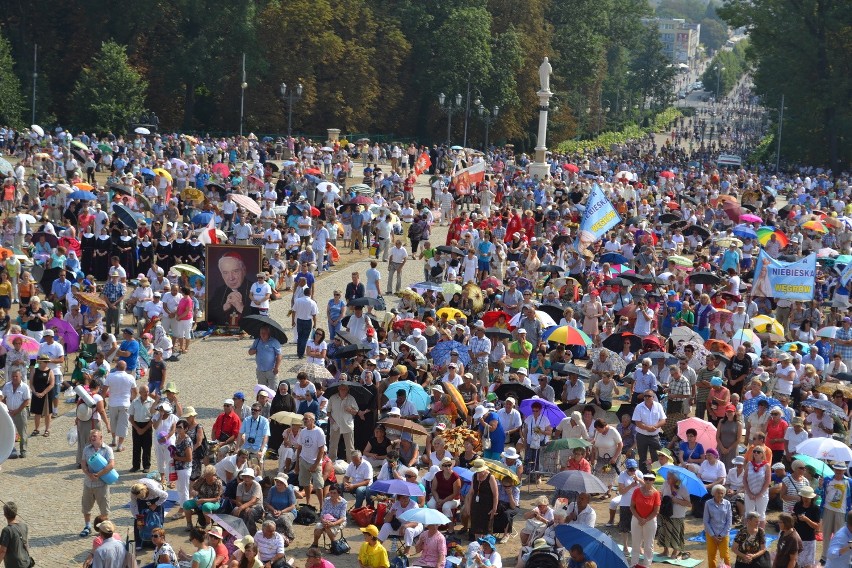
(645, 505)
(445, 486)
(776, 430)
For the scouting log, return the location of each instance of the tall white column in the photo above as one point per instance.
(539, 166)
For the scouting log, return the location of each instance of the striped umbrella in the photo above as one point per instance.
(567, 335)
(765, 233)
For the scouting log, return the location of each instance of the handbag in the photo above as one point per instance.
(340, 546)
(381, 306)
(363, 516)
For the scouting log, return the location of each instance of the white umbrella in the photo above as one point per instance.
(685, 335)
(64, 188)
(247, 203)
(825, 449)
(327, 149)
(28, 218)
(178, 162)
(543, 318)
(327, 186)
(142, 130)
(37, 129)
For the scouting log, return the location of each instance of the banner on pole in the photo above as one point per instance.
(784, 280)
(598, 218)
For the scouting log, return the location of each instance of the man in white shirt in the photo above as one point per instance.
(272, 240)
(305, 312)
(383, 235)
(535, 434)
(154, 307)
(170, 301)
(260, 293)
(510, 419)
(56, 359)
(121, 387)
(359, 474)
(580, 512)
(229, 467)
(649, 418)
(17, 396)
(398, 256)
(311, 449)
(342, 408)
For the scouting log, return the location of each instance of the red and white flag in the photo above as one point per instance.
(471, 175)
(208, 233)
(422, 163)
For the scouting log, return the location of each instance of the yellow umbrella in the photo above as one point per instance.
(192, 194)
(451, 313)
(163, 173)
(285, 417)
(766, 324)
(501, 471)
(187, 269)
(726, 241)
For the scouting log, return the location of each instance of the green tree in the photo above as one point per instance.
(714, 34)
(11, 99)
(109, 91)
(803, 50)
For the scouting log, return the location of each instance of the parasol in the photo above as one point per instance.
(314, 371)
(404, 426)
(91, 299)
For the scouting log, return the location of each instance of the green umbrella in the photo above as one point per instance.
(78, 144)
(566, 444)
(105, 148)
(820, 467)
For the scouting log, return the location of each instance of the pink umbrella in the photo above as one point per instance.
(749, 218)
(66, 333)
(706, 431)
(221, 168)
(29, 346)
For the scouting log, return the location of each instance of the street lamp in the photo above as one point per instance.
(488, 117)
(243, 86)
(450, 109)
(603, 109)
(290, 97)
(719, 71)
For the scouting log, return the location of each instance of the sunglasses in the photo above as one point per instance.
(255, 410)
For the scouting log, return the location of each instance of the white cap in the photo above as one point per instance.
(394, 411)
(522, 371)
(247, 472)
(430, 475)
(512, 400)
(229, 402)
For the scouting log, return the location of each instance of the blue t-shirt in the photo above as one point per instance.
(696, 453)
(498, 436)
(267, 353)
(373, 275)
(132, 347)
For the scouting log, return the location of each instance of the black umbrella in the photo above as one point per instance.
(678, 224)
(618, 281)
(633, 221)
(615, 342)
(788, 258)
(121, 188)
(450, 250)
(215, 185)
(640, 293)
(360, 393)
(373, 319)
(553, 311)
(558, 240)
(654, 280)
(843, 376)
(573, 369)
(346, 336)
(48, 237)
(352, 350)
(625, 409)
(516, 390)
(722, 357)
(498, 333)
(704, 278)
(551, 268)
(697, 230)
(634, 278)
(784, 212)
(750, 207)
(668, 218)
(125, 215)
(364, 302)
(690, 199)
(252, 324)
(272, 166)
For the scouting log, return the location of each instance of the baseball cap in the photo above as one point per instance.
(240, 395)
(228, 402)
(48, 333)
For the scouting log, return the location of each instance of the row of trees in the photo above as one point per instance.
(803, 50)
(365, 65)
(725, 69)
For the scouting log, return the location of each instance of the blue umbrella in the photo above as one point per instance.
(397, 487)
(597, 545)
(745, 232)
(147, 172)
(288, 163)
(441, 352)
(83, 195)
(413, 392)
(428, 286)
(464, 473)
(312, 178)
(750, 406)
(801, 347)
(614, 258)
(693, 484)
(424, 516)
(553, 413)
(202, 218)
(825, 405)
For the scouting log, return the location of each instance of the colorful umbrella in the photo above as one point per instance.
(29, 345)
(816, 226)
(705, 430)
(66, 333)
(821, 468)
(726, 241)
(747, 335)
(565, 444)
(825, 449)
(192, 194)
(765, 324)
(78, 144)
(187, 269)
(501, 471)
(765, 233)
(491, 282)
(491, 318)
(412, 323)
(597, 546)
(221, 169)
(246, 203)
(397, 487)
(750, 218)
(424, 516)
(828, 332)
(545, 319)
(452, 313)
(570, 168)
(92, 300)
(667, 174)
(568, 335)
(720, 346)
(404, 426)
(450, 288)
(578, 481)
(750, 406)
(456, 398)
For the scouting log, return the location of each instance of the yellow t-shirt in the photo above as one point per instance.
(6, 288)
(373, 556)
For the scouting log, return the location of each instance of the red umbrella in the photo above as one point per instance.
(412, 323)
(667, 174)
(491, 282)
(313, 171)
(672, 205)
(315, 212)
(570, 168)
(255, 180)
(362, 200)
(221, 168)
(490, 318)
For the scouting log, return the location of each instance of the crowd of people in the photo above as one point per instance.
(657, 360)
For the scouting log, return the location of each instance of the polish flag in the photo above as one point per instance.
(471, 175)
(422, 163)
(208, 234)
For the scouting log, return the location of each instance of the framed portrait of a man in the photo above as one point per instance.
(230, 273)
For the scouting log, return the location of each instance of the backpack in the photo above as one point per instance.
(152, 520)
(307, 515)
(399, 561)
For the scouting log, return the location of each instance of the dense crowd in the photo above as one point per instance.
(654, 368)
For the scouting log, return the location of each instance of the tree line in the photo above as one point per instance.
(364, 65)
